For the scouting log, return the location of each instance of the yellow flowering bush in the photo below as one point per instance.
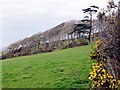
(100, 77)
(118, 82)
(95, 53)
(97, 44)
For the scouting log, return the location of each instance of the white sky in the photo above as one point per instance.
(22, 18)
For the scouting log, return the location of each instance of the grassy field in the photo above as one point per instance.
(67, 68)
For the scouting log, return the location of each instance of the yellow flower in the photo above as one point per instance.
(114, 80)
(99, 74)
(118, 82)
(103, 81)
(100, 64)
(104, 76)
(98, 85)
(110, 76)
(113, 16)
(89, 78)
(104, 70)
(99, 78)
(98, 42)
(98, 71)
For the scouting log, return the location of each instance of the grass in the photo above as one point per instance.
(67, 68)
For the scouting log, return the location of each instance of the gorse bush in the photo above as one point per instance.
(95, 54)
(109, 28)
(106, 52)
(98, 74)
(100, 77)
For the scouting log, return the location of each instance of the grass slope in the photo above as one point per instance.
(60, 69)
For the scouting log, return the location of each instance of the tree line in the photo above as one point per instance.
(65, 35)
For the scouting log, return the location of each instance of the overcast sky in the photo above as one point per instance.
(22, 18)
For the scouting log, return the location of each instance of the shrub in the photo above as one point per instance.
(100, 77)
(95, 54)
(99, 74)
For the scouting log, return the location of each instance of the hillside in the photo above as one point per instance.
(67, 68)
(65, 35)
(44, 37)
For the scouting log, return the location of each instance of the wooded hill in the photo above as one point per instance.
(62, 36)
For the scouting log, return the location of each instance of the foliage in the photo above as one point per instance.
(46, 47)
(90, 11)
(108, 53)
(110, 40)
(100, 77)
(56, 38)
(95, 54)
